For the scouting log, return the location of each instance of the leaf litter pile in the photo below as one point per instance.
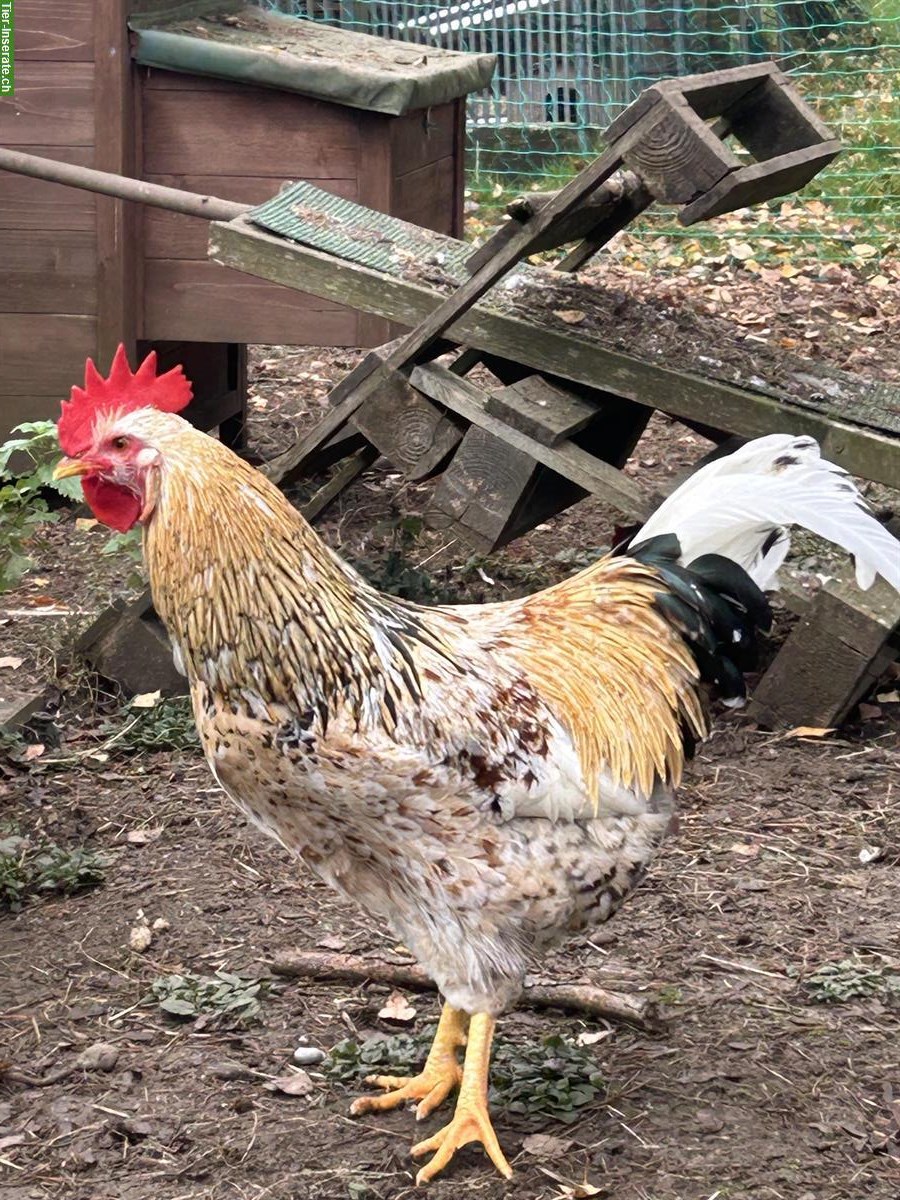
(148, 1048)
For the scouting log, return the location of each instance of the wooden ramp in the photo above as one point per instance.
(579, 369)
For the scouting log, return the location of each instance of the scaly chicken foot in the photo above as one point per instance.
(471, 1121)
(437, 1079)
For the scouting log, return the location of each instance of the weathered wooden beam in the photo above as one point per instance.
(412, 433)
(571, 354)
(578, 465)
(832, 657)
(548, 414)
(482, 489)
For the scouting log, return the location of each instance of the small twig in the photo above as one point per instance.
(737, 966)
(581, 997)
(14, 1075)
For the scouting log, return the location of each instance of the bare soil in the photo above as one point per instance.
(753, 1090)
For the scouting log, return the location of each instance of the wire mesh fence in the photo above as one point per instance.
(566, 68)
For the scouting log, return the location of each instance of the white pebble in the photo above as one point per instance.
(308, 1056)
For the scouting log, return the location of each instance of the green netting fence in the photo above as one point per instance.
(566, 68)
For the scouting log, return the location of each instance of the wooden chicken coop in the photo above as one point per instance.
(222, 99)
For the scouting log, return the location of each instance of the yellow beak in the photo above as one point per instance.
(71, 466)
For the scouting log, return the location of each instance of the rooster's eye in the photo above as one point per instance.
(119, 443)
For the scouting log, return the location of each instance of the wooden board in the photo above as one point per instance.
(27, 203)
(421, 137)
(583, 468)
(570, 354)
(54, 30)
(64, 343)
(481, 489)
(546, 413)
(426, 196)
(49, 272)
(217, 305)
(833, 656)
(53, 105)
(189, 132)
(173, 235)
(415, 435)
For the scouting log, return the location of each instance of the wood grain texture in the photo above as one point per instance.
(27, 203)
(422, 137)
(53, 105)
(426, 196)
(834, 654)
(481, 489)
(247, 131)
(54, 30)
(40, 352)
(50, 271)
(414, 434)
(172, 235)
(576, 464)
(117, 151)
(211, 304)
(546, 413)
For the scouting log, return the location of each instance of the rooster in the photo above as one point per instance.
(486, 779)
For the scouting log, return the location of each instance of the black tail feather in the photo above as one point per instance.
(715, 606)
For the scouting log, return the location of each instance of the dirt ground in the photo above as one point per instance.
(787, 858)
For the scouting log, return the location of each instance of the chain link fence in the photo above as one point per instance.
(566, 68)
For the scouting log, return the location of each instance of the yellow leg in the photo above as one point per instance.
(440, 1075)
(471, 1122)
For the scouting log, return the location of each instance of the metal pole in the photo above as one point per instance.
(192, 204)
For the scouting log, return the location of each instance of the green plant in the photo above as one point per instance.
(223, 995)
(852, 979)
(169, 725)
(552, 1078)
(23, 508)
(26, 868)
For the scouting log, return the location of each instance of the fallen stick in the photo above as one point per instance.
(578, 997)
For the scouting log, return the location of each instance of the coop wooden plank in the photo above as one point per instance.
(576, 464)
(194, 132)
(55, 30)
(419, 138)
(220, 305)
(43, 353)
(50, 272)
(570, 354)
(117, 151)
(423, 196)
(36, 204)
(835, 653)
(537, 408)
(53, 105)
(410, 431)
(761, 181)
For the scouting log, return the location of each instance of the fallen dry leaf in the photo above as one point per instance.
(298, 1083)
(140, 837)
(35, 750)
(397, 1008)
(10, 662)
(146, 700)
(545, 1145)
(805, 731)
(571, 316)
(86, 522)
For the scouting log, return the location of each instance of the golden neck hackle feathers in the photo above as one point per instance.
(251, 596)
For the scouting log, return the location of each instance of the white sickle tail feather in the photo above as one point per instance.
(741, 507)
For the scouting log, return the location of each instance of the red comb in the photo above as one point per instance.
(121, 392)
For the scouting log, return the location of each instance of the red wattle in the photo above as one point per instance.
(113, 505)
